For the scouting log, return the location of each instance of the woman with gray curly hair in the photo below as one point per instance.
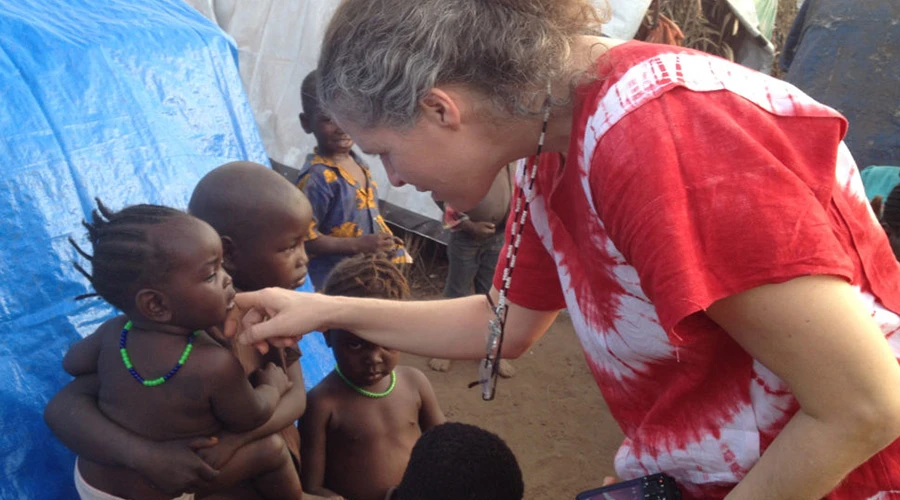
(703, 224)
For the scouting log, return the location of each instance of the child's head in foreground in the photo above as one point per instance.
(890, 219)
(263, 220)
(158, 264)
(455, 461)
(330, 138)
(373, 276)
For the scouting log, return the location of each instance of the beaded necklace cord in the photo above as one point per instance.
(497, 326)
(158, 380)
(369, 394)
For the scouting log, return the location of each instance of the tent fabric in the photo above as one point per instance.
(278, 42)
(847, 55)
(131, 102)
(880, 180)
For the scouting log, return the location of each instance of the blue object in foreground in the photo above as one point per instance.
(131, 102)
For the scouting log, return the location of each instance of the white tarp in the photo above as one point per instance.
(279, 43)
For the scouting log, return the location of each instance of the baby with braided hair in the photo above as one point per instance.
(160, 374)
(364, 418)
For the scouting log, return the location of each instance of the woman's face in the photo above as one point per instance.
(457, 163)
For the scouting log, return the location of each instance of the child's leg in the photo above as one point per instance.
(282, 481)
(267, 464)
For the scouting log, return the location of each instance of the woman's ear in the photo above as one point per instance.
(442, 108)
(153, 305)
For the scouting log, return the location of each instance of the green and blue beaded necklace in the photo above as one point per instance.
(158, 380)
(369, 394)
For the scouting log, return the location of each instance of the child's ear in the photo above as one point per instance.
(153, 305)
(304, 122)
(229, 254)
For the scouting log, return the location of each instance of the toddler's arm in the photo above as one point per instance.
(430, 414)
(368, 243)
(82, 356)
(313, 436)
(289, 408)
(238, 405)
(73, 416)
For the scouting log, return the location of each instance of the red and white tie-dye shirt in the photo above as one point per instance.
(689, 179)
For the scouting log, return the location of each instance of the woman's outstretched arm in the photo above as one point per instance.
(448, 328)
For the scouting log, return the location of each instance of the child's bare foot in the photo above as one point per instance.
(441, 365)
(506, 370)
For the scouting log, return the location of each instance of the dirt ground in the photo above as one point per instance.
(551, 414)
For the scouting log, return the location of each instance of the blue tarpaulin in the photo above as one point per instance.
(847, 55)
(131, 102)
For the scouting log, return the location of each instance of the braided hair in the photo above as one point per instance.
(124, 255)
(368, 275)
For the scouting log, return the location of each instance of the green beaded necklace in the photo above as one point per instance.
(158, 380)
(369, 394)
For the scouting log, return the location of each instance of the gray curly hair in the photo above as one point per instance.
(380, 57)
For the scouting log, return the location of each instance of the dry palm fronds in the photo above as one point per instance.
(707, 25)
(419, 273)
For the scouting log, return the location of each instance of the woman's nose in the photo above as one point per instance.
(393, 176)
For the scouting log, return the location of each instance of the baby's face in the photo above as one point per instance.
(276, 256)
(199, 290)
(362, 362)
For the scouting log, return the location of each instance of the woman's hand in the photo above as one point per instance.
(275, 316)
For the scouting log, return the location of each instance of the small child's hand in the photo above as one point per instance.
(379, 242)
(217, 456)
(276, 377)
(479, 230)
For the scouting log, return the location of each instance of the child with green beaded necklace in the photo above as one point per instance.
(160, 374)
(364, 418)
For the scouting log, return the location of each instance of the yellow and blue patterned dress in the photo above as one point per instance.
(342, 208)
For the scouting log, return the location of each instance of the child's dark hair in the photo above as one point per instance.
(372, 275)
(455, 461)
(309, 97)
(890, 215)
(124, 256)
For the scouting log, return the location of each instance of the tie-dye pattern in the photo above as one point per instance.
(690, 179)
